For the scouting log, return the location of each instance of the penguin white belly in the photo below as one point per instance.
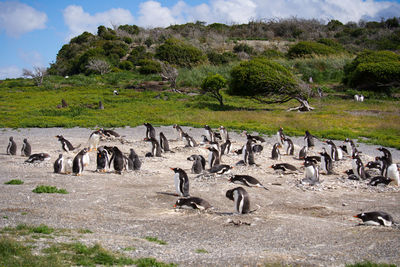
(340, 153)
(177, 184)
(323, 164)
(94, 141)
(371, 222)
(86, 160)
(239, 201)
(67, 165)
(393, 174)
(355, 168)
(278, 137)
(310, 172)
(349, 149)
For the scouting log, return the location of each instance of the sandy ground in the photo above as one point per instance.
(295, 224)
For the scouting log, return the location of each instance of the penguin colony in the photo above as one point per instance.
(210, 162)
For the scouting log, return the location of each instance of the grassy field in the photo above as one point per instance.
(24, 105)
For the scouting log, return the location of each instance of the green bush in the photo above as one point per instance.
(176, 52)
(306, 48)
(148, 66)
(272, 53)
(131, 29)
(243, 48)
(219, 59)
(261, 77)
(212, 84)
(126, 65)
(371, 70)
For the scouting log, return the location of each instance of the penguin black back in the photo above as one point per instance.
(275, 154)
(118, 160)
(164, 142)
(150, 131)
(12, 147)
(241, 198)
(26, 148)
(58, 164)
(193, 202)
(181, 181)
(135, 159)
(375, 218)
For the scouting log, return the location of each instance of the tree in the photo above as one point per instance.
(169, 73)
(37, 74)
(268, 82)
(212, 84)
(98, 65)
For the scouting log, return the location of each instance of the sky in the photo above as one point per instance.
(33, 31)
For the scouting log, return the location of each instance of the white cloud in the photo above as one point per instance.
(79, 21)
(17, 18)
(153, 14)
(32, 58)
(10, 72)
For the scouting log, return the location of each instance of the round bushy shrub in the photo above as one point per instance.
(126, 65)
(176, 52)
(148, 66)
(243, 48)
(373, 70)
(219, 59)
(306, 48)
(261, 77)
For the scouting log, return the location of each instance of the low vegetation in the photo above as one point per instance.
(15, 182)
(155, 240)
(49, 190)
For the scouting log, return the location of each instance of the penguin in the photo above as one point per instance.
(150, 131)
(102, 159)
(224, 134)
(164, 143)
(117, 159)
(313, 158)
(59, 164)
(343, 148)
(374, 165)
(383, 162)
(128, 163)
(275, 154)
(288, 145)
(213, 157)
(94, 139)
(38, 157)
(115, 92)
(216, 146)
(391, 169)
(26, 148)
(309, 139)
(179, 131)
(155, 147)
(385, 151)
(68, 162)
(303, 152)
(65, 144)
(257, 148)
(284, 167)
(198, 164)
(246, 180)
(248, 154)
(255, 138)
(77, 164)
(376, 218)
(190, 142)
(311, 173)
(220, 169)
(12, 147)
(209, 133)
(226, 147)
(110, 133)
(333, 150)
(358, 167)
(86, 159)
(350, 146)
(193, 202)
(280, 136)
(379, 180)
(181, 181)
(326, 162)
(135, 159)
(241, 198)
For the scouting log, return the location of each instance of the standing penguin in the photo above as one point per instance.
(333, 150)
(128, 163)
(241, 198)
(26, 148)
(224, 134)
(209, 133)
(12, 147)
(350, 146)
(248, 153)
(276, 155)
(135, 159)
(179, 131)
(391, 170)
(303, 152)
(181, 181)
(190, 142)
(226, 147)
(102, 159)
(77, 164)
(94, 139)
(150, 131)
(311, 173)
(155, 147)
(59, 164)
(288, 145)
(358, 167)
(118, 159)
(65, 144)
(326, 162)
(280, 136)
(309, 139)
(213, 157)
(198, 165)
(164, 143)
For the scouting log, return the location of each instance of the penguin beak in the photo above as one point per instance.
(175, 206)
(172, 169)
(355, 216)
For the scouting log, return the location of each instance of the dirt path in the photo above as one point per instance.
(295, 224)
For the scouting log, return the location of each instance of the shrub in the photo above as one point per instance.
(15, 182)
(148, 66)
(306, 48)
(176, 52)
(261, 77)
(126, 65)
(219, 59)
(243, 48)
(373, 68)
(272, 53)
(212, 84)
(131, 29)
(48, 189)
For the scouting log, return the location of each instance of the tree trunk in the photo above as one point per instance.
(304, 105)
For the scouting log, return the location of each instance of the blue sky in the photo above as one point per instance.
(33, 31)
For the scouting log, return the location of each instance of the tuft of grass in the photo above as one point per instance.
(370, 264)
(49, 190)
(15, 181)
(5, 217)
(201, 250)
(129, 249)
(85, 231)
(151, 262)
(155, 240)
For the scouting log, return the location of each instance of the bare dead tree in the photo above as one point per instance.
(37, 74)
(98, 65)
(169, 73)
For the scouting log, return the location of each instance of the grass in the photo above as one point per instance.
(375, 120)
(15, 182)
(85, 231)
(155, 240)
(370, 264)
(49, 190)
(18, 247)
(200, 250)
